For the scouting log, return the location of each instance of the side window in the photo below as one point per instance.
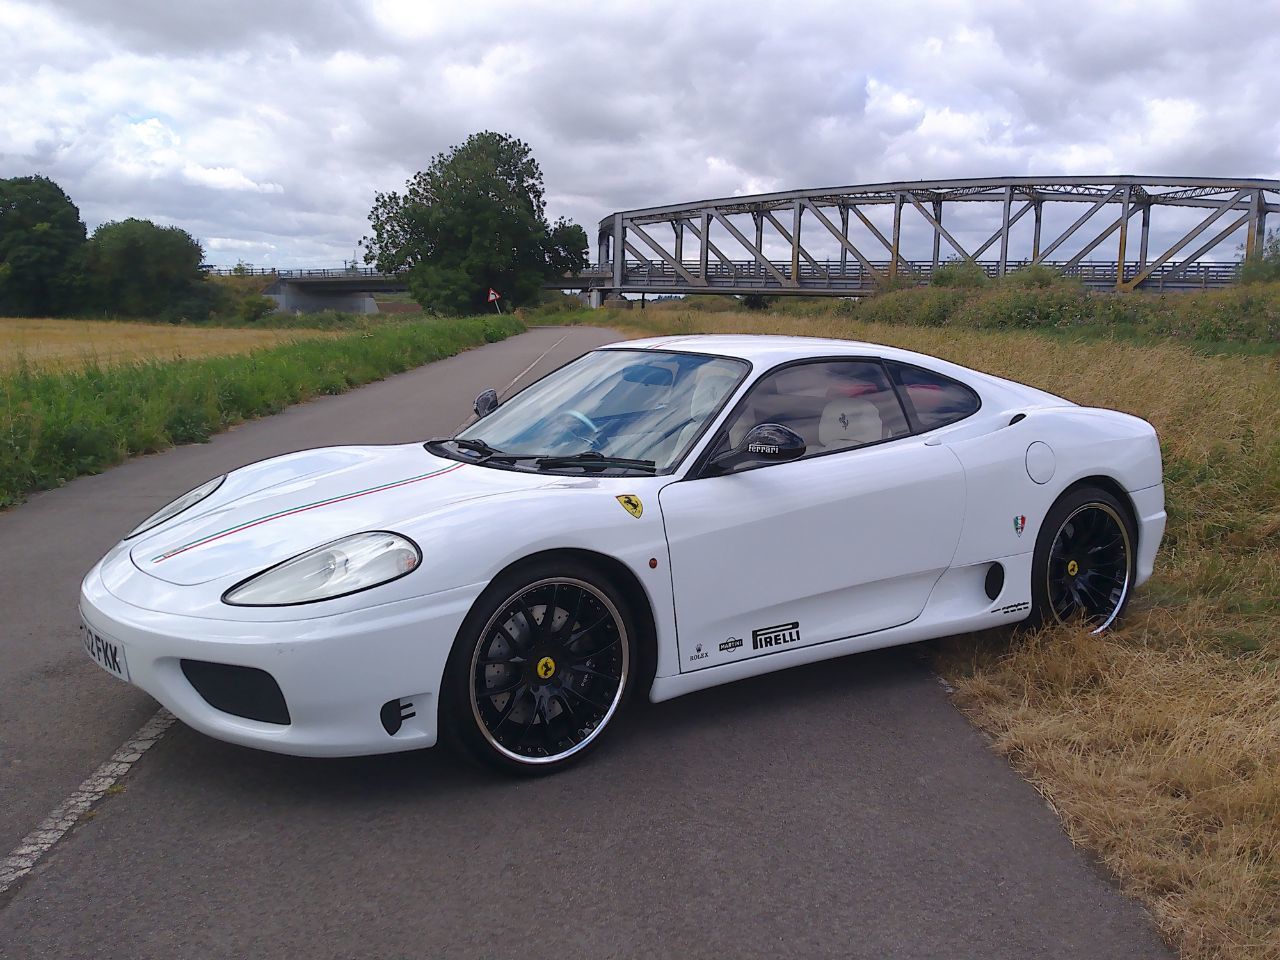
(833, 404)
(934, 400)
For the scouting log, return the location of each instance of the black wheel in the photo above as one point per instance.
(1084, 562)
(540, 670)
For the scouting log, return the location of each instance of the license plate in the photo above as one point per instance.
(105, 652)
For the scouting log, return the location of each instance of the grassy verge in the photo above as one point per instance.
(1158, 744)
(57, 425)
(1240, 319)
(1243, 314)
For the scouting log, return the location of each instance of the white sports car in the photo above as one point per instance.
(665, 514)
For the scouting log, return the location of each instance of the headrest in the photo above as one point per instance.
(849, 422)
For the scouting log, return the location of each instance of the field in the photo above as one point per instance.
(57, 424)
(65, 344)
(1158, 744)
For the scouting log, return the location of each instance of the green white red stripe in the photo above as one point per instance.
(303, 509)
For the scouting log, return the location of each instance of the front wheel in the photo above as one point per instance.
(540, 670)
(1084, 561)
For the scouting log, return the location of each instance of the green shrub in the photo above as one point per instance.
(963, 274)
(253, 308)
(918, 306)
(1023, 308)
(1038, 275)
(55, 426)
(1264, 265)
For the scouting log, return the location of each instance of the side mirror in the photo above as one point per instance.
(486, 403)
(764, 443)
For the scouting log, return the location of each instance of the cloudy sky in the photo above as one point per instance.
(265, 128)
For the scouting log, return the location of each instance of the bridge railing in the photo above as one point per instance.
(310, 273)
(834, 276)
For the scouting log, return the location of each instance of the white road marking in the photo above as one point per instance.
(38, 842)
(516, 379)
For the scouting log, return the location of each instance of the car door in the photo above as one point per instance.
(847, 540)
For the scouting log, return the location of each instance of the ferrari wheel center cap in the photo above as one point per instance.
(546, 668)
(1072, 569)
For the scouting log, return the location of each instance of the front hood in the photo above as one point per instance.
(267, 512)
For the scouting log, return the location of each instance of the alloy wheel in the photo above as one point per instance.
(1089, 564)
(549, 670)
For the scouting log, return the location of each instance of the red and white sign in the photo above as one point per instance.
(494, 295)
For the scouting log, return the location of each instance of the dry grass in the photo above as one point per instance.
(49, 344)
(1158, 744)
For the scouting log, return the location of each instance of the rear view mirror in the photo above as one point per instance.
(486, 403)
(763, 443)
(649, 374)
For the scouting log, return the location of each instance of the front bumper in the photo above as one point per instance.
(336, 673)
(1149, 505)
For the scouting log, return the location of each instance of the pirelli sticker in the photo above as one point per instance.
(768, 638)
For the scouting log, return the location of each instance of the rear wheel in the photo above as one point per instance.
(541, 668)
(1084, 562)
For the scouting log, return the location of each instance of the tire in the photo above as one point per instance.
(534, 701)
(1084, 563)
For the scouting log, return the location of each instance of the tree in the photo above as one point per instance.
(474, 219)
(40, 233)
(566, 248)
(134, 268)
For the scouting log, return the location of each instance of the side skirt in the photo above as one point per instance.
(957, 605)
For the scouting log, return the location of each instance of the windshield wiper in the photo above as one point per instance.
(587, 459)
(593, 458)
(475, 446)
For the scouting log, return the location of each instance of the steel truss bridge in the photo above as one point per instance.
(735, 240)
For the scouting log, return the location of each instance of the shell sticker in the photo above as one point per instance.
(631, 503)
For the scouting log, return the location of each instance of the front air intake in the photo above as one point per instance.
(240, 691)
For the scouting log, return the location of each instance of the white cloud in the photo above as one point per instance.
(274, 124)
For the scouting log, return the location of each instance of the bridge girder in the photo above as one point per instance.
(662, 268)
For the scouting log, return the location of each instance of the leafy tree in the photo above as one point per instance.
(1264, 265)
(474, 219)
(40, 233)
(566, 248)
(135, 269)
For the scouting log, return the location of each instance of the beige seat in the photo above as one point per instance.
(849, 422)
(708, 392)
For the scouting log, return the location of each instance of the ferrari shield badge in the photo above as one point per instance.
(631, 503)
(1019, 524)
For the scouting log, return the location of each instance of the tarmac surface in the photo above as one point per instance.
(842, 809)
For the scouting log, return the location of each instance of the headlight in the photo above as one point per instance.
(184, 502)
(345, 566)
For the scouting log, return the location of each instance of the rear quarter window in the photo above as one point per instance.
(932, 399)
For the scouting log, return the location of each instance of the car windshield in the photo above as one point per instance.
(641, 406)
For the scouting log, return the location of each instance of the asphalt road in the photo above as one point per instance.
(838, 810)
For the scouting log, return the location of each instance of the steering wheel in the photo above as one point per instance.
(576, 419)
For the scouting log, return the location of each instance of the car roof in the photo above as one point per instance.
(767, 351)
